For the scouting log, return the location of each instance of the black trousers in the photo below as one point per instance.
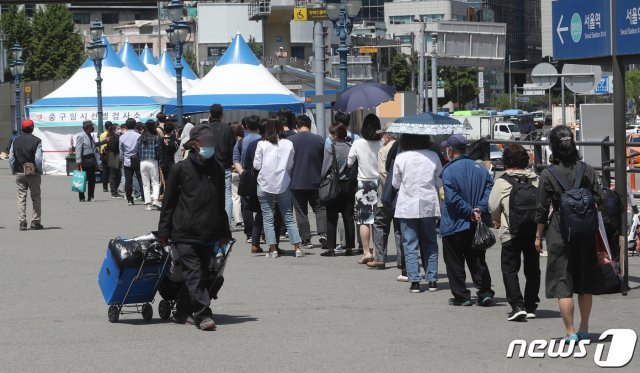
(301, 201)
(457, 249)
(128, 181)
(193, 297)
(90, 169)
(343, 204)
(247, 216)
(114, 180)
(105, 174)
(512, 253)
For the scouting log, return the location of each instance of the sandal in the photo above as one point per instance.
(365, 259)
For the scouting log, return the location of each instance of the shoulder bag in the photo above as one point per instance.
(329, 184)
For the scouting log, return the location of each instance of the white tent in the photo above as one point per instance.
(238, 82)
(130, 59)
(59, 115)
(166, 62)
(152, 64)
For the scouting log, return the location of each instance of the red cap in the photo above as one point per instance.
(27, 123)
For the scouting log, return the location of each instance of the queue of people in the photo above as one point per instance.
(374, 185)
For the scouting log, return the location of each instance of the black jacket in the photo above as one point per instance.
(224, 141)
(24, 150)
(193, 205)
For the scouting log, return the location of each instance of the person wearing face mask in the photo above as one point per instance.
(193, 218)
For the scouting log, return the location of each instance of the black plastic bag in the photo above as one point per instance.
(484, 238)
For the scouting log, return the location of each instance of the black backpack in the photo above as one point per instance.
(578, 213)
(522, 206)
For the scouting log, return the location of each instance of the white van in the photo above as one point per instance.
(506, 131)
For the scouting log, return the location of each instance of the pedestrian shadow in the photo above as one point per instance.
(547, 314)
(222, 319)
(50, 228)
(140, 321)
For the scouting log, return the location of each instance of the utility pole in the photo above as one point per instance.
(421, 98)
(318, 60)
(434, 74)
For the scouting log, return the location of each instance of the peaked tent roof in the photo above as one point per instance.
(119, 86)
(130, 59)
(152, 64)
(188, 73)
(238, 82)
(166, 62)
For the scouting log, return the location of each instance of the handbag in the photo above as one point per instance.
(79, 181)
(389, 193)
(248, 183)
(113, 161)
(483, 238)
(329, 185)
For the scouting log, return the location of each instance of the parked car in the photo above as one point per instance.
(495, 155)
(633, 153)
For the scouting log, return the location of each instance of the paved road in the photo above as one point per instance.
(287, 315)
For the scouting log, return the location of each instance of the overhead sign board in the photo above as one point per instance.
(533, 90)
(310, 14)
(581, 29)
(627, 31)
(368, 50)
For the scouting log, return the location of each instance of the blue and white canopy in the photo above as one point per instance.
(166, 63)
(238, 82)
(119, 87)
(130, 59)
(151, 63)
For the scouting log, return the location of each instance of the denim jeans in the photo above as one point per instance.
(268, 204)
(420, 234)
(228, 200)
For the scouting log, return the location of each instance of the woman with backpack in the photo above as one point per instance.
(571, 188)
(512, 203)
(343, 203)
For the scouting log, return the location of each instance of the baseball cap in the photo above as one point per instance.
(26, 123)
(203, 134)
(455, 142)
(385, 128)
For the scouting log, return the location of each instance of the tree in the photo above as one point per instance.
(632, 88)
(500, 102)
(57, 50)
(255, 47)
(17, 28)
(190, 56)
(400, 72)
(460, 84)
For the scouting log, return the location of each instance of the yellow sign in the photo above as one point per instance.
(27, 89)
(368, 50)
(310, 14)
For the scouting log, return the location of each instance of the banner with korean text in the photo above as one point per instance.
(58, 126)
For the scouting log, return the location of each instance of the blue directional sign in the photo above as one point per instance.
(603, 86)
(581, 29)
(627, 31)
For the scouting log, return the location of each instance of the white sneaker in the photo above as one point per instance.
(299, 254)
(148, 207)
(402, 278)
(272, 254)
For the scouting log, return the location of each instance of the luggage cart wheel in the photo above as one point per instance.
(113, 313)
(147, 312)
(164, 309)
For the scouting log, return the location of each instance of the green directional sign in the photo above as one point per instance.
(440, 83)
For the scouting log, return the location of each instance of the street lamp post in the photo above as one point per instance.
(178, 32)
(434, 73)
(97, 51)
(510, 62)
(342, 16)
(17, 69)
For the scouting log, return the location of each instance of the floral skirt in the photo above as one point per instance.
(366, 201)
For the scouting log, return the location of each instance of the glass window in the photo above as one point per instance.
(396, 20)
(110, 18)
(139, 47)
(297, 52)
(82, 18)
(503, 128)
